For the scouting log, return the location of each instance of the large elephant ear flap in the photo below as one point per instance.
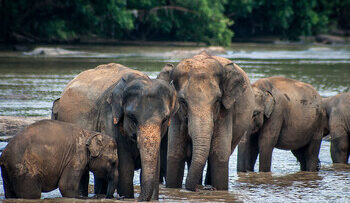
(94, 145)
(165, 73)
(269, 104)
(232, 85)
(116, 100)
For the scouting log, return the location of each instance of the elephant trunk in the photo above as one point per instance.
(243, 156)
(148, 139)
(200, 130)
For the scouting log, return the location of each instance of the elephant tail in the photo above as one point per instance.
(54, 111)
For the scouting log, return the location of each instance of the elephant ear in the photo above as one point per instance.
(95, 145)
(232, 85)
(116, 100)
(165, 73)
(269, 104)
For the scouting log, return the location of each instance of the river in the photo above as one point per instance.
(30, 81)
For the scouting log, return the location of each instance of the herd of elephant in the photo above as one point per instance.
(113, 120)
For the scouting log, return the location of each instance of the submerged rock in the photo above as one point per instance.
(51, 52)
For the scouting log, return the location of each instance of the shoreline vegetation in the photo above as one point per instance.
(210, 22)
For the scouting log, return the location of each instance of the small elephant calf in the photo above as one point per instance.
(338, 114)
(50, 154)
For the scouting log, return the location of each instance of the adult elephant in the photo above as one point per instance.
(216, 106)
(127, 105)
(338, 114)
(289, 115)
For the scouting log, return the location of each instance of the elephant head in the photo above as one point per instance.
(206, 90)
(142, 108)
(264, 106)
(103, 160)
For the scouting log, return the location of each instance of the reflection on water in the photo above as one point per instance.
(29, 84)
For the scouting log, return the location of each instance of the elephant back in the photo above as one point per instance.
(78, 100)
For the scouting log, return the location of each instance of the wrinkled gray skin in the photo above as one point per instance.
(338, 114)
(127, 105)
(288, 115)
(50, 154)
(216, 107)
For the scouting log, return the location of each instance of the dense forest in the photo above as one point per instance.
(209, 21)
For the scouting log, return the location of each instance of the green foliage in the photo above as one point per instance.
(198, 20)
(209, 21)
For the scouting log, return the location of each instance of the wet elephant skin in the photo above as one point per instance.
(338, 114)
(288, 115)
(216, 106)
(50, 154)
(127, 105)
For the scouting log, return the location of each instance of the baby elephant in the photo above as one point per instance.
(50, 154)
(288, 115)
(338, 113)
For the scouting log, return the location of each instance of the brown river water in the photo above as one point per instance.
(30, 81)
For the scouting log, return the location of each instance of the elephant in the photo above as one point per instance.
(128, 106)
(216, 106)
(338, 116)
(50, 154)
(289, 115)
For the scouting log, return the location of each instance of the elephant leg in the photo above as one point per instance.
(28, 187)
(300, 155)
(84, 184)
(100, 185)
(163, 158)
(268, 138)
(177, 148)
(254, 151)
(220, 152)
(126, 175)
(9, 193)
(69, 182)
(219, 170)
(311, 155)
(340, 148)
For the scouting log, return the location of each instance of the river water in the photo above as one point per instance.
(30, 81)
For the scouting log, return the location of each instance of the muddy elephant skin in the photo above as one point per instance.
(127, 105)
(289, 115)
(338, 114)
(50, 154)
(216, 105)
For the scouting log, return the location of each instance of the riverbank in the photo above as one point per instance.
(23, 45)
